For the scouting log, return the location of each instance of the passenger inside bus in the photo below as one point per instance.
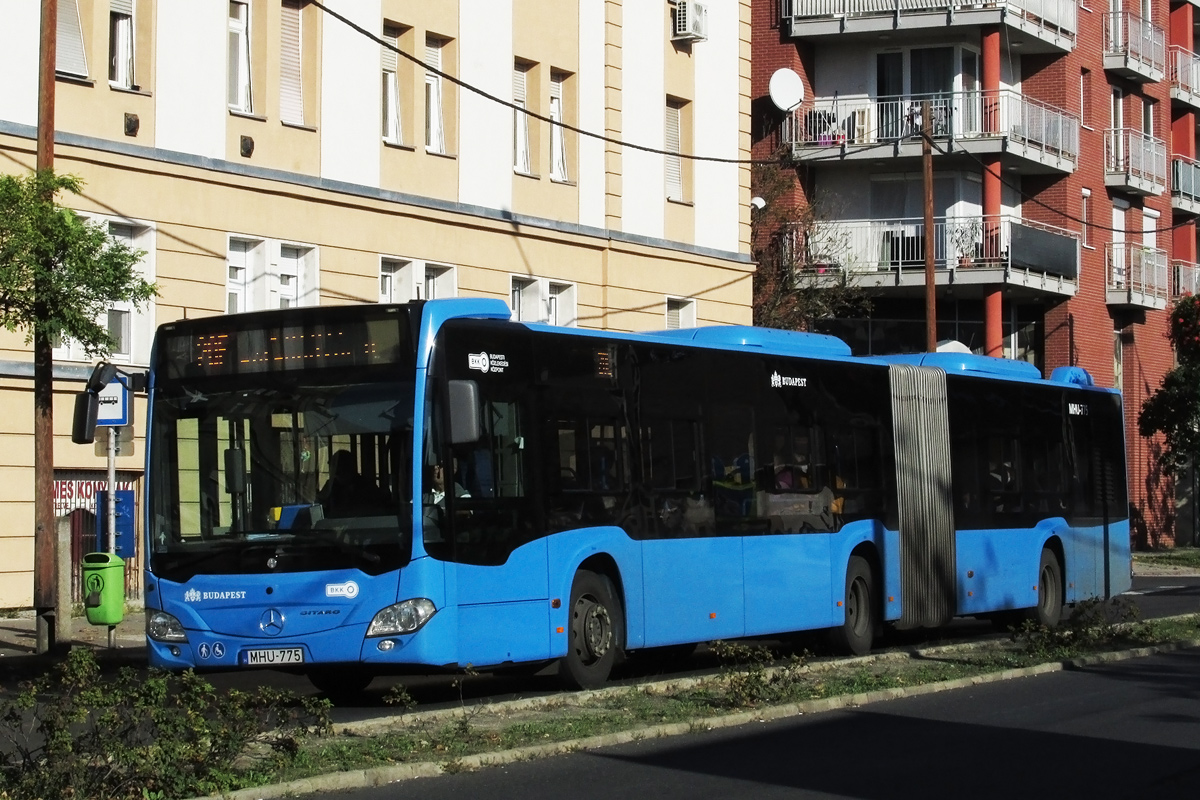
(347, 493)
(792, 463)
(434, 502)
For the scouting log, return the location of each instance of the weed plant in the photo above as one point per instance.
(75, 733)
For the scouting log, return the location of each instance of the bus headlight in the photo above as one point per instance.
(406, 617)
(162, 627)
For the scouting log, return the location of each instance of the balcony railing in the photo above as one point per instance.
(1134, 160)
(1054, 16)
(962, 115)
(1185, 184)
(972, 244)
(1185, 278)
(1137, 275)
(1134, 46)
(1185, 75)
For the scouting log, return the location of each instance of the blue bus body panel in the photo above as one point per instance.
(693, 589)
(788, 583)
(503, 610)
(1003, 567)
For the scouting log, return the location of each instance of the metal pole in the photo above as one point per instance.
(111, 539)
(930, 287)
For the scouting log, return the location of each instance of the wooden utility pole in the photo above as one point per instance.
(45, 535)
(930, 287)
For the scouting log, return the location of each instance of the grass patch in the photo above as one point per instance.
(1179, 557)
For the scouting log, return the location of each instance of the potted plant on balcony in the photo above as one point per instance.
(965, 234)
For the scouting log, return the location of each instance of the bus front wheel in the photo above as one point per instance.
(596, 632)
(857, 632)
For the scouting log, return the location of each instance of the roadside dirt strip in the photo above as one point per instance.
(356, 779)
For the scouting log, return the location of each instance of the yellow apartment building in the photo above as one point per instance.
(270, 153)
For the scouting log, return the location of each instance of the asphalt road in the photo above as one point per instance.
(1124, 730)
(1155, 596)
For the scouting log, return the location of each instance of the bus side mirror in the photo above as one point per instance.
(235, 470)
(83, 425)
(464, 412)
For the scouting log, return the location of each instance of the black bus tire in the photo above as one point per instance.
(1049, 606)
(596, 630)
(857, 632)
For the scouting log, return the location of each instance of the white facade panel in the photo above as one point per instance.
(350, 95)
(716, 121)
(590, 84)
(485, 139)
(19, 63)
(190, 102)
(643, 113)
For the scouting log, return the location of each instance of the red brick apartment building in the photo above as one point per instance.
(1066, 188)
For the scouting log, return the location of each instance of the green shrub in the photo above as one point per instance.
(74, 732)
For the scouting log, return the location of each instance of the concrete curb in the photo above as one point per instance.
(380, 776)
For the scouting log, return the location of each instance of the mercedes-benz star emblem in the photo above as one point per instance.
(271, 622)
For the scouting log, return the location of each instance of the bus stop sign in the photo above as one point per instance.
(114, 403)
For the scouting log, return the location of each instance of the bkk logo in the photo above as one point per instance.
(487, 362)
(347, 589)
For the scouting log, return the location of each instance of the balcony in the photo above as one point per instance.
(1185, 184)
(1134, 162)
(1137, 275)
(967, 251)
(1034, 136)
(1036, 25)
(1185, 76)
(1134, 48)
(1185, 279)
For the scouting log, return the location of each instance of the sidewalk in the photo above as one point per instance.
(18, 640)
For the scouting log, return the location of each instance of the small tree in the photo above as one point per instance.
(789, 291)
(1174, 408)
(59, 273)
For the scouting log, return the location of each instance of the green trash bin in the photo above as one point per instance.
(103, 588)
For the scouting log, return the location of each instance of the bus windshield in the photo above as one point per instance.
(271, 463)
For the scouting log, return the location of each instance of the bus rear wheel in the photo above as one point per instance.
(1049, 606)
(596, 632)
(857, 632)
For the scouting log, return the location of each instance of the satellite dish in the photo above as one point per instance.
(786, 89)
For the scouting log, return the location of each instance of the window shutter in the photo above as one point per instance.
(673, 309)
(121, 7)
(674, 165)
(388, 57)
(69, 56)
(291, 93)
(433, 54)
(519, 86)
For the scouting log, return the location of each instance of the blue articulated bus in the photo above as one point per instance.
(352, 491)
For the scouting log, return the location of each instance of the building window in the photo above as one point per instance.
(291, 83)
(558, 139)
(1085, 218)
(69, 54)
(287, 278)
(543, 300)
(239, 57)
(401, 280)
(672, 144)
(131, 329)
(242, 255)
(393, 131)
(1085, 95)
(120, 43)
(681, 313)
(435, 131)
(520, 118)
(1148, 107)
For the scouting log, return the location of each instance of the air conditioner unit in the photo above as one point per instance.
(691, 21)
